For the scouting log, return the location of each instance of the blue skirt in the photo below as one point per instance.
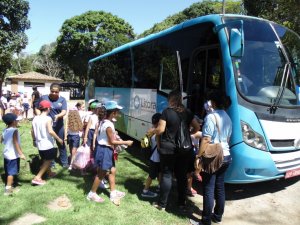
(104, 157)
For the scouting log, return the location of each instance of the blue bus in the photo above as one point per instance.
(255, 61)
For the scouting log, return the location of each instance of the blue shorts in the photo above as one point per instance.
(104, 157)
(49, 154)
(73, 140)
(12, 166)
(154, 168)
(90, 137)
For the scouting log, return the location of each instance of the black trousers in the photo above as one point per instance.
(176, 164)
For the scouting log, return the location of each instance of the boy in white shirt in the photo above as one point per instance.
(43, 138)
(12, 150)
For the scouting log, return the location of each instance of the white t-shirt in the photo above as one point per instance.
(4, 102)
(9, 149)
(155, 155)
(102, 136)
(94, 120)
(43, 140)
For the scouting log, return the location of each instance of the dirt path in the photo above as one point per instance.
(273, 203)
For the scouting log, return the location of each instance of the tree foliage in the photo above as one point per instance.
(280, 11)
(88, 35)
(13, 23)
(195, 10)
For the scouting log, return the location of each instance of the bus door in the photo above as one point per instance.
(205, 73)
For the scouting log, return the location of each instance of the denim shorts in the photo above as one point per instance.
(90, 137)
(49, 154)
(12, 166)
(73, 140)
(104, 157)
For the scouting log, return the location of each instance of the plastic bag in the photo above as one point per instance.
(82, 157)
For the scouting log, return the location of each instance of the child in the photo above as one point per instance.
(154, 162)
(43, 138)
(104, 154)
(12, 150)
(91, 125)
(73, 129)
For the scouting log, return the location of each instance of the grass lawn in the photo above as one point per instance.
(131, 174)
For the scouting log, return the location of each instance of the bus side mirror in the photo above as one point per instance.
(236, 43)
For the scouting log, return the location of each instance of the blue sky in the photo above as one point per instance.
(47, 16)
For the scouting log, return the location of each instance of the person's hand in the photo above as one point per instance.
(84, 141)
(55, 118)
(129, 143)
(196, 164)
(150, 132)
(60, 141)
(22, 156)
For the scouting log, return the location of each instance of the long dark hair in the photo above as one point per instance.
(221, 100)
(175, 100)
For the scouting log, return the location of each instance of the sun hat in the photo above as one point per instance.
(8, 118)
(110, 105)
(44, 104)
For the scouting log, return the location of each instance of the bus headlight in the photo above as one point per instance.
(252, 138)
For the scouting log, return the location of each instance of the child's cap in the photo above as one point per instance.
(156, 118)
(93, 105)
(8, 118)
(92, 101)
(99, 105)
(44, 104)
(110, 105)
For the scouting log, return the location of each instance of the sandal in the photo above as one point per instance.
(38, 182)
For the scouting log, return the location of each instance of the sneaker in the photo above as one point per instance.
(38, 182)
(215, 220)
(148, 194)
(102, 185)
(194, 222)
(159, 207)
(8, 192)
(70, 168)
(94, 197)
(117, 194)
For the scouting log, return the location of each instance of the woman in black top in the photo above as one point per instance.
(173, 161)
(35, 99)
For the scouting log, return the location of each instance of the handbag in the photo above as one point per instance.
(212, 158)
(82, 157)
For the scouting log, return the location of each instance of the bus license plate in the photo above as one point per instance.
(292, 173)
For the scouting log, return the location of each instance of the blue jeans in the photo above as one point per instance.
(63, 156)
(213, 188)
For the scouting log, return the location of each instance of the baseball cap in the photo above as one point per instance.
(156, 118)
(92, 100)
(8, 118)
(44, 104)
(110, 105)
(93, 105)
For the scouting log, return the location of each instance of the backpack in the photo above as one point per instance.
(183, 139)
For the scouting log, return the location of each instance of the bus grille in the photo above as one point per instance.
(286, 160)
(282, 143)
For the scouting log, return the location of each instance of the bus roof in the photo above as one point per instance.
(214, 18)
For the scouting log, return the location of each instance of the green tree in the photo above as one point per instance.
(280, 11)
(195, 10)
(13, 23)
(88, 35)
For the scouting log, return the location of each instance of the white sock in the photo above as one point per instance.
(7, 187)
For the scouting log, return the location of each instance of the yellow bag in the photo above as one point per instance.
(145, 142)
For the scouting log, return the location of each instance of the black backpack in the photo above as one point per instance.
(183, 139)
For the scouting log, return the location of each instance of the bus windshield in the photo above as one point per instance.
(269, 71)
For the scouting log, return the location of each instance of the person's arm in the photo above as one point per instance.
(17, 145)
(33, 137)
(195, 126)
(87, 130)
(111, 138)
(52, 133)
(66, 127)
(63, 111)
(159, 129)
(95, 136)
(32, 100)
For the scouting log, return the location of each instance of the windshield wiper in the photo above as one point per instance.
(281, 89)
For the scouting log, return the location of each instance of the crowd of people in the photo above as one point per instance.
(95, 128)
